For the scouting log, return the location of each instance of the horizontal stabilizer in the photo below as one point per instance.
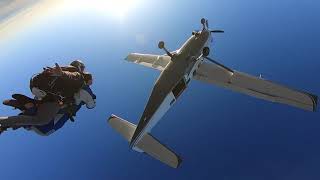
(147, 144)
(123, 127)
(154, 148)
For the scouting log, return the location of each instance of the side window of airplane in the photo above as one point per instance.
(179, 88)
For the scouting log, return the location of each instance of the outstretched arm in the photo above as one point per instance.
(86, 96)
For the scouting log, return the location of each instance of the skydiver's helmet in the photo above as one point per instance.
(87, 77)
(78, 64)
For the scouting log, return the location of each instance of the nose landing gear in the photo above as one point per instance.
(161, 46)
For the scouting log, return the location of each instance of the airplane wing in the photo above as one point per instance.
(158, 62)
(254, 86)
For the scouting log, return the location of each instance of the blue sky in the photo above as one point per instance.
(219, 134)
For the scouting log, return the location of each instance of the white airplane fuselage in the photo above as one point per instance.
(172, 82)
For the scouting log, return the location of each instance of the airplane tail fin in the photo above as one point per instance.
(147, 144)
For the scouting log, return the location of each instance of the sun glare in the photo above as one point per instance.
(115, 8)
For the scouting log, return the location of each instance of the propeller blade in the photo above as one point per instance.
(221, 65)
(217, 31)
(207, 24)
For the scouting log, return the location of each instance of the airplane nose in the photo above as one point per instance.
(205, 35)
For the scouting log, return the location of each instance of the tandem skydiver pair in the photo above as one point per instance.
(59, 92)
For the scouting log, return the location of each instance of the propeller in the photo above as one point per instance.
(205, 24)
(217, 31)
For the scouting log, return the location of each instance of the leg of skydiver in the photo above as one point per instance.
(46, 112)
(21, 102)
(26, 105)
(24, 99)
(13, 103)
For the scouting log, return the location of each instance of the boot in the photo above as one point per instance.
(2, 129)
(23, 99)
(14, 103)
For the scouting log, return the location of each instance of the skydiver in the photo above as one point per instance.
(28, 106)
(48, 81)
(56, 87)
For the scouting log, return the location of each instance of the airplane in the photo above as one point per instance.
(177, 68)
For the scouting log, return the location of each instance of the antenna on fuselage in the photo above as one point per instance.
(161, 46)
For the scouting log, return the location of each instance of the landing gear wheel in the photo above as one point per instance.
(161, 45)
(206, 51)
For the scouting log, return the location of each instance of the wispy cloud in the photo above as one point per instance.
(141, 39)
(15, 14)
(10, 8)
